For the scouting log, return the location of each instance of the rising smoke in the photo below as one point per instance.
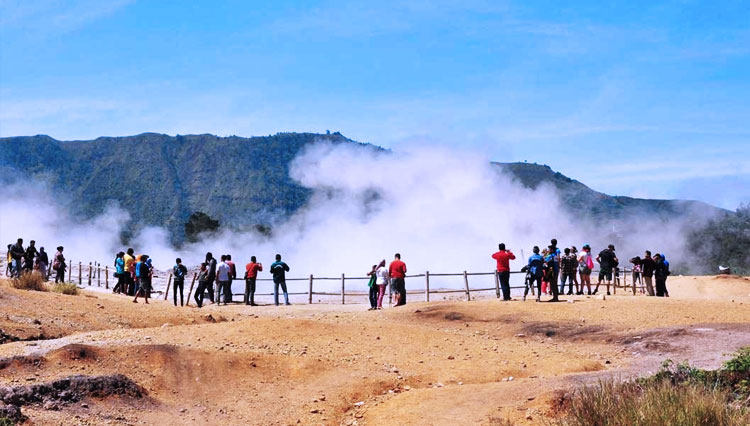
(444, 210)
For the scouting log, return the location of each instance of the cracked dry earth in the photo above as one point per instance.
(450, 362)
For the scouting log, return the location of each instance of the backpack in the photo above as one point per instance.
(589, 262)
(666, 266)
(178, 273)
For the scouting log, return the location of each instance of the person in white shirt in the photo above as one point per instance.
(381, 281)
(224, 281)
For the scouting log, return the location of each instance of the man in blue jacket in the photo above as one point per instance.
(536, 271)
(279, 270)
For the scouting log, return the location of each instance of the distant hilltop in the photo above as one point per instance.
(176, 176)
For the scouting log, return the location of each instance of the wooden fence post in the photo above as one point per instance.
(343, 289)
(466, 282)
(195, 275)
(169, 284)
(427, 286)
(89, 273)
(106, 277)
(310, 291)
(80, 281)
(497, 284)
(98, 274)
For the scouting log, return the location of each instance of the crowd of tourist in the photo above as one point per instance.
(544, 268)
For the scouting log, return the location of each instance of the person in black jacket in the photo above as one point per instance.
(211, 275)
(29, 256)
(279, 270)
(661, 272)
(647, 268)
(16, 253)
(179, 272)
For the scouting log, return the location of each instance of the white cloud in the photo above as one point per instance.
(46, 17)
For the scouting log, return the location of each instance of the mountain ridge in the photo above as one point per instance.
(252, 189)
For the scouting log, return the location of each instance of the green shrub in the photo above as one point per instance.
(65, 288)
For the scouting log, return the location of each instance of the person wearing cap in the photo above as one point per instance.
(607, 261)
(503, 258)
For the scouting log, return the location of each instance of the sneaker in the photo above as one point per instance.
(288, 304)
(608, 294)
(538, 299)
(524, 298)
(570, 293)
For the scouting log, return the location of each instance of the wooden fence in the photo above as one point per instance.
(91, 274)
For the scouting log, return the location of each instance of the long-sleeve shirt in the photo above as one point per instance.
(279, 270)
(503, 258)
(536, 265)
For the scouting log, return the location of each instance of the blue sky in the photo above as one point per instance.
(635, 98)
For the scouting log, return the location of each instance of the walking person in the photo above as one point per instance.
(41, 263)
(568, 266)
(211, 266)
(648, 265)
(224, 281)
(128, 286)
(143, 279)
(119, 272)
(58, 264)
(535, 267)
(373, 293)
(661, 272)
(17, 253)
(179, 272)
(397, 272)
(279, 270)
(251, 274)
(503, 258)
(607, 260)
(585, 266)
(202, 285)
(382, 281)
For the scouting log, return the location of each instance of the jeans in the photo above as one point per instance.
(276, 285)
(381, 293)
(569, 278)
(200, 291)
(661, 286)
(60, 277)
(178, 284)
(15, 268)
(249, 291)
(530, 285)
(504, 277)
(374, 296)
(226, 288)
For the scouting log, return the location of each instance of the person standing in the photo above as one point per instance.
(503, 258)
(585, 266)
(607, 261)
(661, 272)
(232, 274)
(551, 271)
(128, 286)
(647, 269)
(202, 285)
(58, 264)
(119, 272)
(382, 282)
(568, 265)
(579, 288)
(42, 260)
(556, 256)
(535, 268)
(211, 276)
(373, 293)
(279, 270)
(29, 256)
(397, 272)
(637, 270)
(224, 281)
(17, 253)
(251, 275)
(179, 271)
(143, 281)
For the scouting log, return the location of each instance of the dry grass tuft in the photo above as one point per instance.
(29, 281)
(65, 288)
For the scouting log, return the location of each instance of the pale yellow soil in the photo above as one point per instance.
(424, 363)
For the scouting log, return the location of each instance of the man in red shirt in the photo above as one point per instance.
(397, 272)
(503, 258)
(251, 273)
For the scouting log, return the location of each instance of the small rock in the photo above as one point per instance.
(84, 405)
(359, 404)
(314, 411)
(520, 335)
(182, 410)
(451, 357)
(510, 379)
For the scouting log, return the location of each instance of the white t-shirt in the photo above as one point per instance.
(223, 271)
(382, 275)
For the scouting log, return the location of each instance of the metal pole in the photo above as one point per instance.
(310, 291)
(427, 286)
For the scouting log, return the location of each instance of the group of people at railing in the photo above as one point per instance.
(543, 269)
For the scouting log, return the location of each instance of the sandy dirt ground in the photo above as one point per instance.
(447, 362)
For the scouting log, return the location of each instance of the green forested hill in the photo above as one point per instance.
(242, 182)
